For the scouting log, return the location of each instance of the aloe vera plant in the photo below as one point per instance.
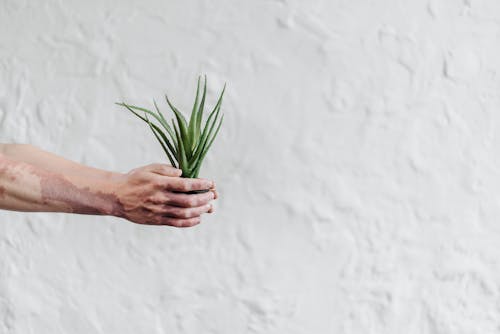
(185, 143)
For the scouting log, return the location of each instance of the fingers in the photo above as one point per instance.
(176, 222)
(186, 200)
(216, 194)
(177, 216)
(185, 213)
(185, 185)
(163, 169)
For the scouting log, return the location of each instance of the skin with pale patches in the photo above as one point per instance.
(79, 200)
(145, 195)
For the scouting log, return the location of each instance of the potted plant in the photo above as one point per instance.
(185, 143)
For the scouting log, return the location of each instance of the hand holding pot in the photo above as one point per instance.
(157, 195)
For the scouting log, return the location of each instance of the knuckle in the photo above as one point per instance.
(185, 200)
(155, 199)
(184, 213)
(158, 182)
(181, 200)
(157, 210)
(191, 202)
(174, 212)
(186, 186)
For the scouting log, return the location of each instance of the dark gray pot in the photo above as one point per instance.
(198, 191)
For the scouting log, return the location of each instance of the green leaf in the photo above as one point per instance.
(209, 126)
(218, 104)
(170, 146)
(158, 117)
(181, 153)
(202, 150)
(199, 116)
(129, 106)
(192, 120)
(205, 150)
(165, 123)
(181, 122)
(161, 143)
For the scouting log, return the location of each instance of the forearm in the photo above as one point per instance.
(27, 187)
(39, 158)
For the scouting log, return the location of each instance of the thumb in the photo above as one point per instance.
(163, 169)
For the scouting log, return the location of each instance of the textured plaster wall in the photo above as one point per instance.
(359, 166)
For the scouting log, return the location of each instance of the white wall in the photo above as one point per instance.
(359, 166)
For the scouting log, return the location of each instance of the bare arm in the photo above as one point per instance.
(34, 180)
(49, 161)
(26, 187)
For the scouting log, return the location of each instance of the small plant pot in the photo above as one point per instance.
(193, 192)
(197, 191)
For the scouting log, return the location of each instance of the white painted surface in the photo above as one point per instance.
(358, 166)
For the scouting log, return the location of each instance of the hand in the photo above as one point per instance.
(149, 195)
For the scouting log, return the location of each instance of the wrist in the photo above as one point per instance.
(108, 191)
(112, 177)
